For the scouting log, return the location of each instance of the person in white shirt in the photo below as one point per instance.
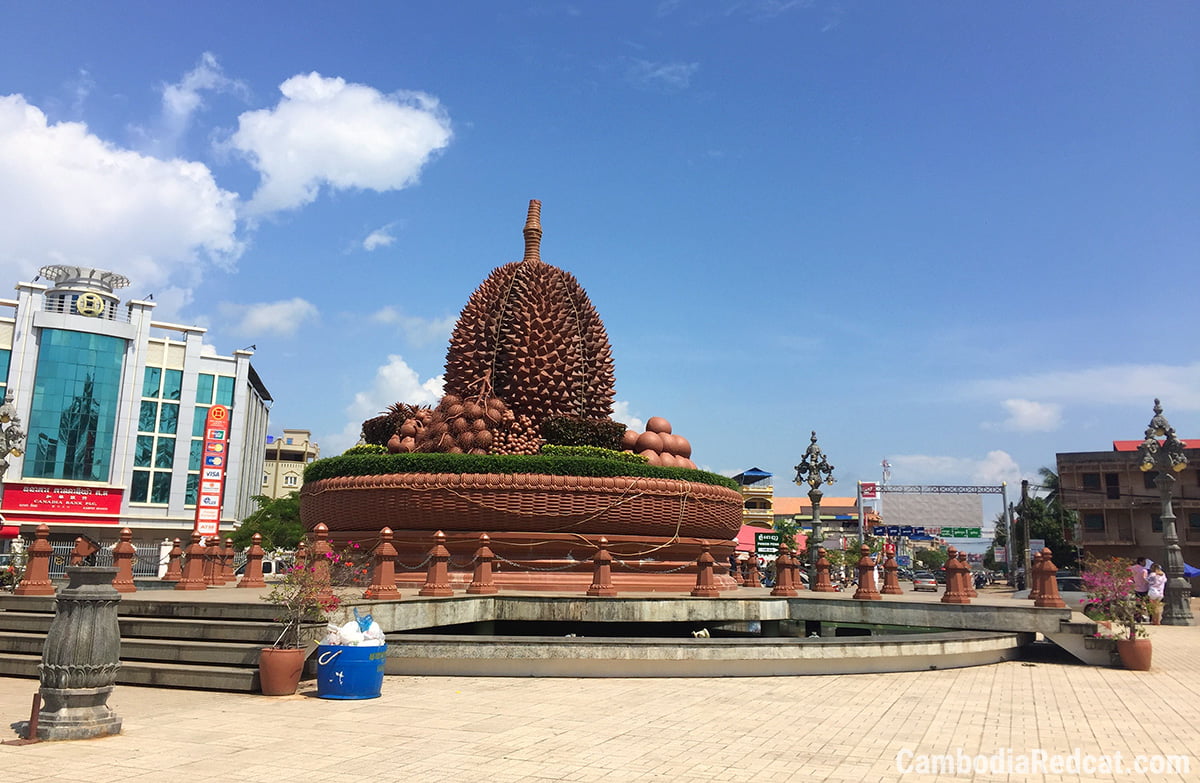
(1156, 583)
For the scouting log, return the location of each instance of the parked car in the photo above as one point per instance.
(923, 580)
(940, 575)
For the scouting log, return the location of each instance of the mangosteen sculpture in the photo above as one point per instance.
(529, 349)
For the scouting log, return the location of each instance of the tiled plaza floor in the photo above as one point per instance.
(830, 728)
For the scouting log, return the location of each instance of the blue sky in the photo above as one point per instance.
(958, 236)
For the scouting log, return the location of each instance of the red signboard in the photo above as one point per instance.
(212, 471)
(869, 490)
(48, 498)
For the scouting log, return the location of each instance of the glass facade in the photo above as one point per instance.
(210, 390)
(5, 358)
(74, 409)
(158, 422)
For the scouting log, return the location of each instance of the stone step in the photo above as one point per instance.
(192, 653)
(162, 675)
(206, 610)
(263, 632)
(1083, 628)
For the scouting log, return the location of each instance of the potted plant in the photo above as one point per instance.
(303, 597)
(1111, 599)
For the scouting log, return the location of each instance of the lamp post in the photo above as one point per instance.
(1168, 459)
(814, 470)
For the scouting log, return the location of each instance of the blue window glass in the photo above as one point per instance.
(160, 488)
(225, 390)
(169, 420)
(172, 384)
(199, 416)
(152, 381)
(195, 455)
(139, 487)
(148, 416)
(193, 489)
(164, 455)
(73, 413)
(143, 451)
(5, 358)
(204, 389)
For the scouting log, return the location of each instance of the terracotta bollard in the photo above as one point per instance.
(783, 574)
(1050, 597)
(967, 576)
(193, 566)
(253, 576)
(866, 577)
(82, 551)
(123, 554)
(954, 589)
(891, 577)
(602, 584)
(212, 563)
(753, 578)
(37, 568)
(227, 561)
(705, 586)
(318, 560)
(174, 564)
(383, 569)
(823, 584)
(1034, 577)
(437, 578)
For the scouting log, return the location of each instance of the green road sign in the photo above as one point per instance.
(767, 543)
(974, 532)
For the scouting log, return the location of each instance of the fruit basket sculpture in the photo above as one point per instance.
(529, 362)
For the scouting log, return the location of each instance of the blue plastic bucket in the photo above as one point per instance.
(349, 672)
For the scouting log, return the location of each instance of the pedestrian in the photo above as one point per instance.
(1138, 572)
(1156, 584)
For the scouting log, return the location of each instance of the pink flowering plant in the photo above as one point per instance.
(1111, 597)
(309, 593)
(303, 597)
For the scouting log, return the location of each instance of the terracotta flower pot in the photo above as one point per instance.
(279, 670)
(1135, 653)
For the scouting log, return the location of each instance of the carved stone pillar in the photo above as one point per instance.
(705, 586)
(891, 577)
(437, 578)
(37, 568)
(253, 576)
(80, 658)
(481, 579)
(174, 564)
(602, 584)
(383, 568)
(123, 554)
(866, 577)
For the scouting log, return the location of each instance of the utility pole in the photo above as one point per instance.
(1022, 509)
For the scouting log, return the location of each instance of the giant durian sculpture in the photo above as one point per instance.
(529, 346)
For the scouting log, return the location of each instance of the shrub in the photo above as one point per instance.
(551, 450)
(366, 448)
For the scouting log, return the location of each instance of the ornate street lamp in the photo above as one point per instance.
(814, 470)
(1168, 459)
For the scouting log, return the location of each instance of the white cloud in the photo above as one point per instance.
(281, 318)
(329, 132)
(183, 99)
(1031, 416)
(993, 468)
(621, 413)
(70, 197)
(661, 76)
(1177, 385)
(380, 237)
(393, 382)
(418, 331)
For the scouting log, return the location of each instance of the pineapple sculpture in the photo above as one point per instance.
(528, 346)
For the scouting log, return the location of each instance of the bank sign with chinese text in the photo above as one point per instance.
(212, 471)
